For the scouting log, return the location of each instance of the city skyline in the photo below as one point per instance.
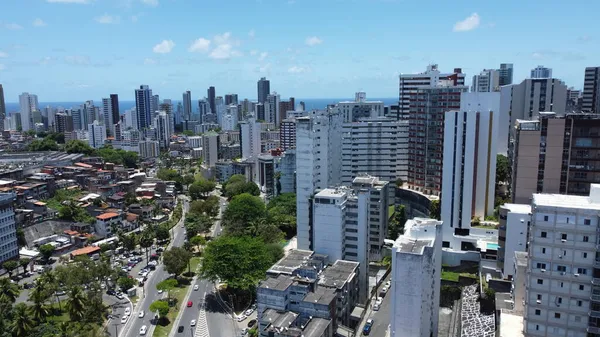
(119, 46)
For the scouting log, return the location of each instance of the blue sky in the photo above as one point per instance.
(74, 50)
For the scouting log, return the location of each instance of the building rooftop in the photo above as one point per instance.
(521, 258)
(333, 192)
(105, 216)
(85, 250)
(413, 246)
(518, 208)
(570, 201)
(295, 259)
(338, 274)
(316, 327)
(321, 296)
(281, 282)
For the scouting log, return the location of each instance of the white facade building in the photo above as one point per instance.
(541, 72)
(28, 103)
(272, 113)
(210, 149)
(563, 284)
(318, 164)
(96, 135)
(360, 108)
(372, 146)
(149, 149)
(130, 119)
(250, 131)
(340, 220)
(194, 141)
(515, 220)
(229, 121)
(469, 170)
(416, 278)
(164, 126)
(107, 116)
(487, 81)
(220, 107)
(9, 249)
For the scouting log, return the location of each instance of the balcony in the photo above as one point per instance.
(594, 313)
(596, 281)
(592, 329)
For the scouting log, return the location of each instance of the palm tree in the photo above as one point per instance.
(23, 262)
(50, 283)
(76, 303)
(22, 323)
(39, 310)
(9, 290)
(64, 329)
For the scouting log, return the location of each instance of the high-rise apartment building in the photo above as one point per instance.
(525, 101)
(264, 88)
(285, 106)
(426, 131)
(164, 129)
(187, 105)
(9, 249)
(210, 93)
(554, 154)
(271, 104)
(28, 103)
(506, 74)
(107, 116)
(416, 274)
(353, 111)
(287, 134)
(154, 104)
(143, 107)
(591, 90)
(149, 148)
(487, 81)
(96, 135)
(250, 138)
(372, 146)
(203, 109)
(64, 122)
(411, 83)
(563, 292)
(220, 109)
(210, 149)
(231, 99)
(541, 72)
(114, 106)
(318, 164)
(340, 219)
(513, 235)
(469, 170)
(2, 108)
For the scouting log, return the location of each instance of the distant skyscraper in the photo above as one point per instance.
(143, 107)
(487, 81)
(541, 72)
(64, 123)
(506, 74)
(77, 119)
(114, 106)
(107, 116)
(187, 105)
(264, 88)
(591, 90)
(154, 104)
(96, 135)
(211, 99)
(163, 126)
(28, 103)
(2, 108)
(203, 109)
(88, 114)
(219, 109)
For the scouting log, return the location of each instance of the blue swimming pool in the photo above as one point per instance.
(492, 246)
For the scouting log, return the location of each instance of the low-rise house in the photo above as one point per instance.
(105, 222)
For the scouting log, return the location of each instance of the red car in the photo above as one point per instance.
(189, 304)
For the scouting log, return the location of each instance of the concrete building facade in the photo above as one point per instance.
(591, 90)
(513, 234)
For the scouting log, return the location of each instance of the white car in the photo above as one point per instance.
(196, 287)
(124, 319)
(193, 322)
(143, 330)
(160, 291)
(127, 311)
(141, 314)
(248, 312)
(241, 318)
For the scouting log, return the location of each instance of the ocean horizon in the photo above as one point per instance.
(311, 103)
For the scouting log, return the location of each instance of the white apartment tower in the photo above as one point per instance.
(163, 125)
(250, 138)
(287, 134)
(96, 135)
(340, 219)
(416, 278)
(28, 103)
(513, 231)
(563, 278)
(318, 164)
(187, 105)
(210, 149)
(541, 72)
(360, 108)
(9, 249)
(107, 116)
(149, 149)
(487, 81)
(272, 114)
(373, 146)
(469, 170)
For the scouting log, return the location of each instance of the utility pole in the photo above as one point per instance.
(116, 329)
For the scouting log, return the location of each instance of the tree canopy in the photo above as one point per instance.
(281, 211)
(502, 168)
(161, 307)
(175, 260)
(241, 211)
(79, 146)
(435, 210)
(237, 185)
(201, 188)
(46, 144)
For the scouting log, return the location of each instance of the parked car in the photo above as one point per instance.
(383, 291)
(127, 311)
(251, 323)
(241, 318)
(193, 322)
(119, 296)
(141, 314)
(189, 304)
(143, 330)
(368, 326)
(124, 319)
(196, 287)
(180, 329)
(248, 312)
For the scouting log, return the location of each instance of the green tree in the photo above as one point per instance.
(198, 241)
(146, 240)
(21, 241)
(125, 283)
(264, 229)
(10, 266)
(22, 323)
(46, 251)
(168, 175)
(434, 210)
(23, 263)
(8, 290)
(175, 260)
(399, 182)
(502, 168)
(167, 285)
(162, 233)
(79, 146)
(128, 241)
(76, 303)
(201, 188)
(241, 262)
(281, 210)
(242, 210)
(38, 296)
(160, 307)
(188, 179)
(45, 144)
(397, 221)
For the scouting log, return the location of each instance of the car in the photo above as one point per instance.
(60, 293)
(193, 322)
(110, 292)
(180, 329)
(367, 327)
(141, 314)
(388, 284)
(241, 318)
(244, 331)
(189, 304)
(251, 323)
(124, 319)
(383, 291)
(129, 268)
(143, 330)
(196, 287)
(119, 296)
(160, 291)
(248, 312)
(127, 311)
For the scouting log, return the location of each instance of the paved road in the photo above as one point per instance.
(150, 294)
(381, 317)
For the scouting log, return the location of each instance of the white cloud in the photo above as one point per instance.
(107, 19)
(164, 47)
(223, 52)
(38, 23)
(253, 52)
(81, 2)
(152, 3)
(77, 60)
(313, 41)
(252, 33)
(222, 38)
(470, 23)
(297, 70)
(3, 54)
(201, 45)
(12, 26)
(149, 61)
(263, 56)
(2, 67)
(265, 68)
(537, 56)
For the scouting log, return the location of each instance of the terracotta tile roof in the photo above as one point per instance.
(131, 217)
(83, 165)
(105, 216)
(85, 250)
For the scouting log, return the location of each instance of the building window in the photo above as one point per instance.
(544, 234)
(562, 284)
(541, 265)
(587, 222)
(545, 218)
(537, 327)
(581, 287)
(540, 281)
(581, 271)
(559, 300)
(557, 315)
(563, 236)
(561, 268)
(586, 238)
(543, 250)
(539, 297)
(538, 312)
(579, 303)
(584, 255)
